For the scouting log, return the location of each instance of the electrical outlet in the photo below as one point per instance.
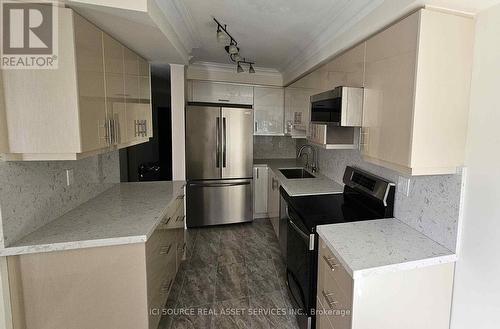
(404, 185)
(70, 177)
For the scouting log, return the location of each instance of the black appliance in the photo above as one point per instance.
(341, 106)
(365, 197)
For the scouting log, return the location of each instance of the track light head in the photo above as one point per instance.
(251, 69)
(239, 69)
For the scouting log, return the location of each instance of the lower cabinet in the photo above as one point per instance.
(260, 182)
(411, 299)
(124, 286)
(273, 201)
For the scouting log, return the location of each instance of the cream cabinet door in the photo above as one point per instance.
(269, 110)
(389, 93)
(273, 196)
(91, 88)
(215, 92)
(260, 177)
(115, 89)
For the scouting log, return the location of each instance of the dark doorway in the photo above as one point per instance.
(152, 161)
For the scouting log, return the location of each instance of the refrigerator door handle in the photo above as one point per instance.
(219, 184)
(224, 142)
(217, 142)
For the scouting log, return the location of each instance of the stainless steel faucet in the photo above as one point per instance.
(314, 165)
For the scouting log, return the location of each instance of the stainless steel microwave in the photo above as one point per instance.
(342, 106)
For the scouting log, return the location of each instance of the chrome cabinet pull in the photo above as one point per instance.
(166, 288)
(168, 220)
(329, 262)
(165, 249)
(257, 172)
(223, 100)
(327, 296)
(255, 126)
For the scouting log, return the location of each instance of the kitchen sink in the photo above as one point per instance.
(296, 173)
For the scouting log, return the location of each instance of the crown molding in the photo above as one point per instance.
(227, 73)
(224, 67)
(182, 22)
(325, 45)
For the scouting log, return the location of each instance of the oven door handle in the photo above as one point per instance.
(298, 230)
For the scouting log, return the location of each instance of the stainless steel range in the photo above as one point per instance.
(365, 197)
(219, 160)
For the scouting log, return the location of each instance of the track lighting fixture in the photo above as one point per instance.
(239, 69)
(232, 48)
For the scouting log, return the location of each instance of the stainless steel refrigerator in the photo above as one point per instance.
(219, 161)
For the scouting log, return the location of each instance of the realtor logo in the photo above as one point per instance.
(29, 39)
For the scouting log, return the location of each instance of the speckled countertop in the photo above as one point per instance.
(126, 213)
(303, 186)
(380, 245)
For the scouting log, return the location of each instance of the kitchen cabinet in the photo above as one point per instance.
(417, 95)
(269, 111)
(260, 186)
(219, 92)
(297, 110)
(273, 200)
(78, 109)
(123, 286)
(413, 298)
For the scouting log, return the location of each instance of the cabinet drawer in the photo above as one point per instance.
(172, 214)
(160, 260)
(322, 321)
(331, 266)
(159, 297)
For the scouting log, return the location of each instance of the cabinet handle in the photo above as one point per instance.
(330, 263)
(165, 249)
(331, 303)
(257, 172)
(110, 136)
(223, 100)
(255, 126)
(166, 288)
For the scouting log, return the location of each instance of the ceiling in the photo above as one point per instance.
(270, 33)
(291, 36)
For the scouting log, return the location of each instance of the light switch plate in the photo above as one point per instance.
(70, 177)
(404, 185)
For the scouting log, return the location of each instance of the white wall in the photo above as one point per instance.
(476, 300)
(178, 95)
(227, 73)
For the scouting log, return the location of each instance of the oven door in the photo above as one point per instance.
(300, 268)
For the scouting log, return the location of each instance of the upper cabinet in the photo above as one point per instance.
(268, 110)
(267, 102)
(80, 108)
(218, 92)
(417, 94)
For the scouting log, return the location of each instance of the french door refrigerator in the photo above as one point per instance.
(219, 161)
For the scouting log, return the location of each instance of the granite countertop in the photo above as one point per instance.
(125, 213)
(303, 186)
(381, 245)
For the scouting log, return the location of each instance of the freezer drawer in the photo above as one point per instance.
(219, 202)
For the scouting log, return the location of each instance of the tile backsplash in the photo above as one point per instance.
(274, 147)
(432, 206)
(34, 193)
